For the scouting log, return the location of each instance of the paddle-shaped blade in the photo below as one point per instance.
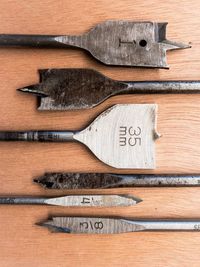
(123, 136)
(126, 43)
(72, 88)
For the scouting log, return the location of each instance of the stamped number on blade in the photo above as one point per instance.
(124, 136)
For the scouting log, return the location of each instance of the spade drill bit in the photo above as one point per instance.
(75, 200)
(109, 180)
(116, 143)
(68, 89)
(123, 43)
(82, 225)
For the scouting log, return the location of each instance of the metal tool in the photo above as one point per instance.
(123, 136)
(75, 200)
(66, 89)
(108, 180)
(124, 43)
(82, 225)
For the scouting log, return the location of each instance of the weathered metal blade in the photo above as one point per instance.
(82, 225)
(72, 88)
(108, 180)
(68, 89)
(122, 43)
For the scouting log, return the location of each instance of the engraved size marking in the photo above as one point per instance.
(197, 227)
(126, 42)
(130, 136)
(87, 200)
(92, 225)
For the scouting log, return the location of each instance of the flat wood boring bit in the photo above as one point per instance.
(123, 136)
(82, 225)
(68, 89)
(75, 200)
(111, 180)
(123, 43)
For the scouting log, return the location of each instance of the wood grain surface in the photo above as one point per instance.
(22, 243)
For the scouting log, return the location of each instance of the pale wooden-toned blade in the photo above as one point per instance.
(123, 136)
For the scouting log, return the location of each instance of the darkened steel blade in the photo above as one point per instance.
(106, 180)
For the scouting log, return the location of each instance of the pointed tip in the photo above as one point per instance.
(32, 89)
(39, 223)
(132, 200)
(138, 200)
(47, 223)
(53, 228)
(169, 45)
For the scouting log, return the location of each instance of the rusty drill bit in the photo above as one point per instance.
(111, 180)
(68, 89)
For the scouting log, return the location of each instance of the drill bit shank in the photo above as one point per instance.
(81, 225)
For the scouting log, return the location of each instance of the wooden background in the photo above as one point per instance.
(24, 244)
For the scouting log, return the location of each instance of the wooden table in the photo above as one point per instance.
(22, 243)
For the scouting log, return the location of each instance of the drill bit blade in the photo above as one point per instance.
(85, 225)
(68, 89)
(108, 180)
(72, 88)
(75, 200)
(94, 201)
(82, 225)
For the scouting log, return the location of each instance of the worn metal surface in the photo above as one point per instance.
(75, 200)
(81, 225)
(123, 136)
(108, 180)
(123, 43)
(67, 89)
